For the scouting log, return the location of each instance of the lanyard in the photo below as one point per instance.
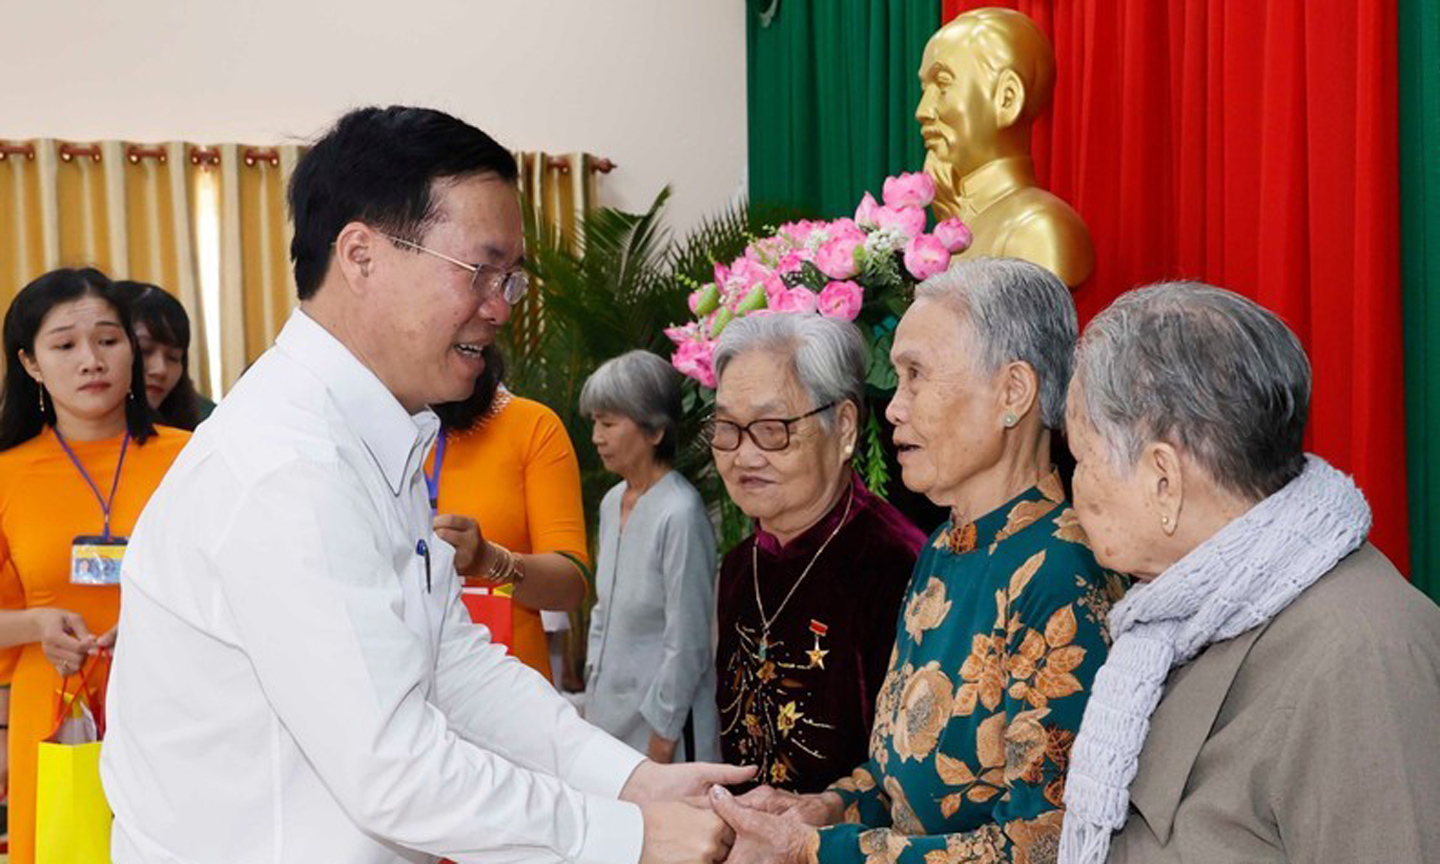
(432, 478)
(105, 504)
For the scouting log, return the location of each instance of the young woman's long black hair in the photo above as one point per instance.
(463, 415)
(165, 320)
(21, 417)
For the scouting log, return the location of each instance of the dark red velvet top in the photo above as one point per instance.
(799, 700)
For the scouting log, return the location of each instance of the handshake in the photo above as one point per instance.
(690, 818)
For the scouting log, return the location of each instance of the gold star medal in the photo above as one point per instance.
(817, 654)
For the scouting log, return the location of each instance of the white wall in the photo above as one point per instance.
(656, 85)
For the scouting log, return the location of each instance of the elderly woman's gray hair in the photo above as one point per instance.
(641, 386)
(1202, 368)
(826, 354)
(1016, 311)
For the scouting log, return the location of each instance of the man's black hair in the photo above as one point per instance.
(378, 166)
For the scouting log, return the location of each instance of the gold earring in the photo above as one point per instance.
(1165, 521)
(1010, 420)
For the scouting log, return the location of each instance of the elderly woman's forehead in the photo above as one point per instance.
(759, 380)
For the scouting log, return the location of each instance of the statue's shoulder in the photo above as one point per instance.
(1042, 227)
(1035, 209)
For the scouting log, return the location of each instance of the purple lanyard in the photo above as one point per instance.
(432, 478)
(105, 505)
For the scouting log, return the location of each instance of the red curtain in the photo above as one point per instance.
(1251, 144)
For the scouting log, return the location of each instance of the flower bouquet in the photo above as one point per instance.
(862, 269)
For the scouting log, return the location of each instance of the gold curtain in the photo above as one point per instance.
(560, 191)
(207, 224)
(257, 284)
(127, 209)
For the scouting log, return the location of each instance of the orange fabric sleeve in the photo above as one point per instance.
(553, 507)
(12, 596)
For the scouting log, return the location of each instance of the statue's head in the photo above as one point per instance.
(985, 77)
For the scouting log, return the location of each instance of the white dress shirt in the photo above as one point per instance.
(290, 685)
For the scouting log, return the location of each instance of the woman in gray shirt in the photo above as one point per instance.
(649, 674)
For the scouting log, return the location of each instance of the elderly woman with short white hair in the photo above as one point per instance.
(1003, 627)
(1272, 693)
(648, 674)
(808, 602)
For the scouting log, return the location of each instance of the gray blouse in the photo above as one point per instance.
(650, 662)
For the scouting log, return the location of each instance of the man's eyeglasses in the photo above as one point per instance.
(485, 279)
(769, 434)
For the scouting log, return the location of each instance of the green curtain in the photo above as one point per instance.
(1419, 36)
(832, 88)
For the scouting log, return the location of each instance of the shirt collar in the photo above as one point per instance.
(846, 508)
(395, 439)
(992, 181)
(1005, 520)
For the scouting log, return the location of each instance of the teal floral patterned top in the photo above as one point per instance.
(1002, 631)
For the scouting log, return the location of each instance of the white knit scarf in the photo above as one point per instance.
(1237, 580)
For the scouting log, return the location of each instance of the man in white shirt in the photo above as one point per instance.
(296, 679)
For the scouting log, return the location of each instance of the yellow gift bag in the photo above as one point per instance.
(72, 819)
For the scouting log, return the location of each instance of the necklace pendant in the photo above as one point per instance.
(764, 648)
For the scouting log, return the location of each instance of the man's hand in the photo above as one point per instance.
(463, 533)
(764, 838)
(819, 810)
(62, 637)
(660, 750)
(652, 782)
(677, 833)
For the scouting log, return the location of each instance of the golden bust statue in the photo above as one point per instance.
(986, 76)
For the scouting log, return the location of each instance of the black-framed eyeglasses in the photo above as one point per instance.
(769, 433)
(484, 279)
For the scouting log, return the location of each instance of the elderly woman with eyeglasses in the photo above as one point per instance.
(808, 602)
(1003, 627)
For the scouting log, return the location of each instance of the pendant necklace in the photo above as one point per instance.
(766, 622)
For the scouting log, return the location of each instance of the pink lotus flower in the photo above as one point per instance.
(954, 234)
(790, 262)
(845, 227)
(841, 300)
(744, 277)
(799, 232)
(909, 190)
(837, 259)
(925, 256)
(909, 221)
(794, 300)
(697, 360)
(682, 334)
(865, 213)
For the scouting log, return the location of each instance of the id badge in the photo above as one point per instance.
(95, 560)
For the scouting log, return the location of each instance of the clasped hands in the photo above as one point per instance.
(690, 818)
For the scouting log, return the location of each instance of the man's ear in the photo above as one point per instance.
(355, 253)
(1009, 98)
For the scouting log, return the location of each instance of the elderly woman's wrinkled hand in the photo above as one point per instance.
(818, 810)
(761, 837)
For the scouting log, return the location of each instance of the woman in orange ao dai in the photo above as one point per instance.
(79, 457)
